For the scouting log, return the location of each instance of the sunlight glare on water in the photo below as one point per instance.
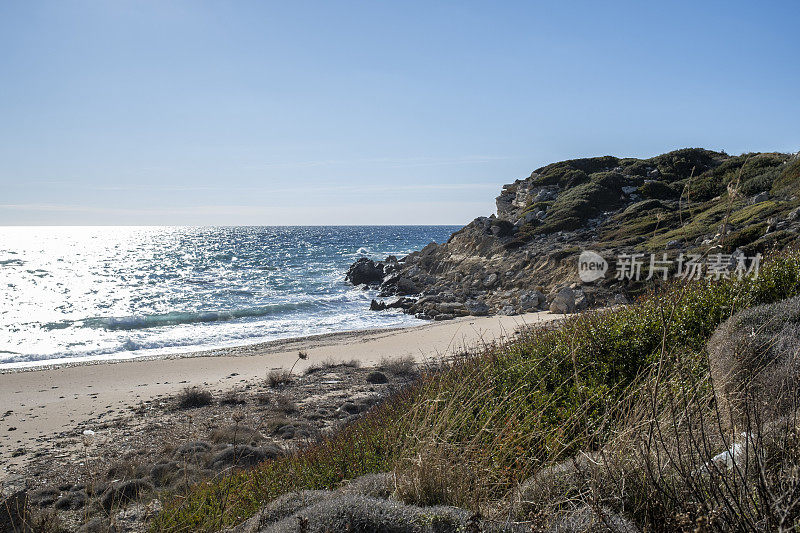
(100, 292)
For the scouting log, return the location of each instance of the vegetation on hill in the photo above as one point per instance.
(481, 429)
(689, 201)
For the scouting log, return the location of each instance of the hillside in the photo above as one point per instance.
(690, 201)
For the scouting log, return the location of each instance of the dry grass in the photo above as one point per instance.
(399, 366)
(193, 397)
(278, 377)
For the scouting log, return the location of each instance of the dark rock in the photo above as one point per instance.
(477, 307)
(375, 305)
(376, 378)
(405, 286)
(563, 302)
(365, 271)
(401, 303)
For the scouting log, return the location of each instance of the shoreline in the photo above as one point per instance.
(234, 350)
(45, 404)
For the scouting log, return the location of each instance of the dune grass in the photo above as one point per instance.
(470, 431)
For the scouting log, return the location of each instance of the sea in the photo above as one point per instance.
(71, 294)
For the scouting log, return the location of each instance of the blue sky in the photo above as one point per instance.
(193, 112)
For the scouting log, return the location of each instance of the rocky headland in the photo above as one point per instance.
(525, 257)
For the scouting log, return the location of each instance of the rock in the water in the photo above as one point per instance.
(564, 302)
(365, 271)
(375, 305)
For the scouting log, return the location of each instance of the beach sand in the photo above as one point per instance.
(40, 403)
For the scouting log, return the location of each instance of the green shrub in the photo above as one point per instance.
(658, 190)
(578, 204)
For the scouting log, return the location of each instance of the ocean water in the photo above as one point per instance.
(78, 293)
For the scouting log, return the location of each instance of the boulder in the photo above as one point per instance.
(564, 302)
(531, 301)
(621, 299)
(405, 286)
(477, 307)
(760, 197)
(365, 271)
(375, 305)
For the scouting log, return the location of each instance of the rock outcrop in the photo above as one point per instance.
(506, 262)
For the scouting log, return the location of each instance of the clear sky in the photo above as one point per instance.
(375, 112)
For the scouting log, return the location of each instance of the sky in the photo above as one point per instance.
(375, 112)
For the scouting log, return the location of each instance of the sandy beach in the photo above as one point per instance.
(40, 403)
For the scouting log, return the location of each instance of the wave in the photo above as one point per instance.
(175, 318)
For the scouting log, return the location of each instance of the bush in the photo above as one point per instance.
(578, 204)
(278, 377)
(194, 397)
(399, 366)
(753, 358)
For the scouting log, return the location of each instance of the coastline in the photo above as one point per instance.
(45, 403)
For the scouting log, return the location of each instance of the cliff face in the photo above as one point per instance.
(522, 258)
